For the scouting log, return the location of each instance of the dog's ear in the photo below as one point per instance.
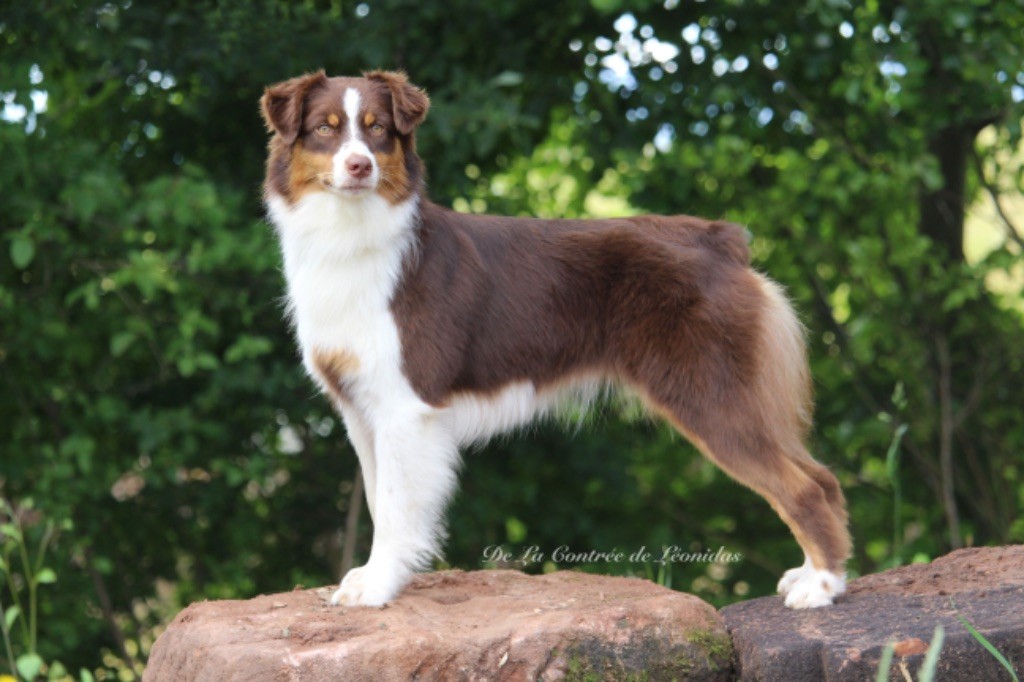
(409, 103)
(282, 104)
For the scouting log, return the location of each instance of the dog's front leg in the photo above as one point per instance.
(416, 467)
(361, 438)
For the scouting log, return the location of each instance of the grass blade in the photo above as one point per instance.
(931, 657)
(885, 662)
(996, 653)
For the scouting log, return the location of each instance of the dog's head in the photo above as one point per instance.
(347, 136)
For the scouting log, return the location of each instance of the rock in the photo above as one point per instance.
(504, 625)
(484, 625)
(903, 605)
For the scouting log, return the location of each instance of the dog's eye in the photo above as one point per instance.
(377, 129)
(325, 130)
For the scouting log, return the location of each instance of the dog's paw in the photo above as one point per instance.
(809, 588)
(791, 577)
(364, 586)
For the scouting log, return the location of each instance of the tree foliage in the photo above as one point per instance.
(151, 392)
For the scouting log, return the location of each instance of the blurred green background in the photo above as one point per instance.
(154, 417)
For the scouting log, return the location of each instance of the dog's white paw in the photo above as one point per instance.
(792, 576)
(809, 588)
(365, 586)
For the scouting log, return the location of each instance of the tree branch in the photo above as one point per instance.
(1011, 231)
(108, 613)
(946, 425)
(355, 504)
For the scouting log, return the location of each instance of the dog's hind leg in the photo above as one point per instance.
(818, 580)
(805, 495)
(748, 412)
(807, 503)
(416, 470)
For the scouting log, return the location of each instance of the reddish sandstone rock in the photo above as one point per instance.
(485, 625)
(903, 605)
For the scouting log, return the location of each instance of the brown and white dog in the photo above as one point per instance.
(430, 329)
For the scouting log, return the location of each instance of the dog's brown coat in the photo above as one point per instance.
(667, 305)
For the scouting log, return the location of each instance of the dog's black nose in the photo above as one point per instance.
(358, 166)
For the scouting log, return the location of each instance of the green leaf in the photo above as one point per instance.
(515, 530)
(248, 347)
(29, 665)
(606, 6)
(85, 676)
(121, 342)
(46, 576)
(23, 250)
(11, 615)
(104, 565)
(508, 79)
(852, 93)
(207, 361)
(891, 460)
(186, 366)
(81, 448)
(56, 671)
(11, 531)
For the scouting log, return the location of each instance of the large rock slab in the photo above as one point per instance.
(845, 641)
(484, 625)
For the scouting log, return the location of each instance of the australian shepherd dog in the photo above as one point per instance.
(429, 329)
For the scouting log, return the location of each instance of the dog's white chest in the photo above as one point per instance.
(342, 268)
(342, 305)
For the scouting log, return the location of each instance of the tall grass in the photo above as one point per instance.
(23, 572)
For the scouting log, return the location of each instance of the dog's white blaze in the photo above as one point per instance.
(350, 101)
(355, 144)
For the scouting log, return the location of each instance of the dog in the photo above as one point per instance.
(430, 329)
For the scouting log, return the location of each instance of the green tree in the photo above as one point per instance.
(151, 392)
(846, 137)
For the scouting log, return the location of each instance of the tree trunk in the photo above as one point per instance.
(942, 210)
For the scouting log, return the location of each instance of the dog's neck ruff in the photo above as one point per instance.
(323, 225)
